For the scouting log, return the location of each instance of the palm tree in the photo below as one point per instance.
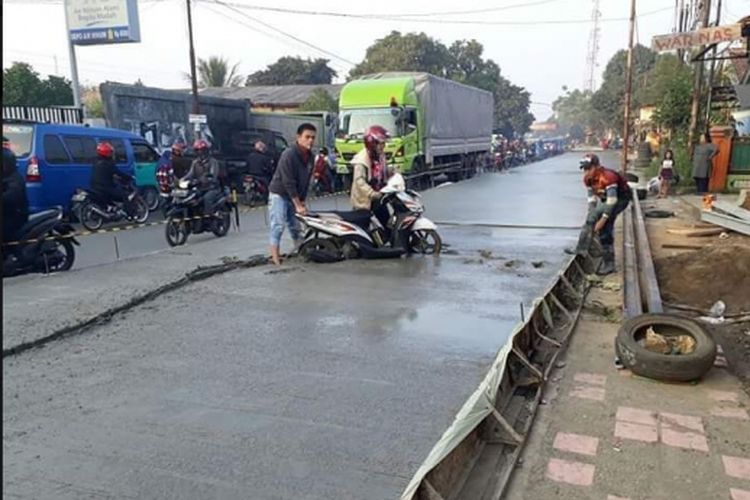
(215, 72)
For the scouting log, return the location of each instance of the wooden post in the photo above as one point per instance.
(628, 92)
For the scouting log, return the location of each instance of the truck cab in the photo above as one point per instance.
(391, 103)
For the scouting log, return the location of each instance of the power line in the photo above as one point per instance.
(398, 18)
(289, 35)
(258, 30)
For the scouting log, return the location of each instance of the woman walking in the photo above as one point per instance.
(666, 174)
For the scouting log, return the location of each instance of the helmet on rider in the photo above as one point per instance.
(200, 146)
(374, 136)
(589, 161)
(105, 150)
(178, 148)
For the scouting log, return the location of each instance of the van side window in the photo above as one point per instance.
(82, 149)
(144, 153)
(121, 156)
(54, 151)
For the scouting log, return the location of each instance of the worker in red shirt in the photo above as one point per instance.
(608, 195)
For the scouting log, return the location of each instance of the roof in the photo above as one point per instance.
(277, 95)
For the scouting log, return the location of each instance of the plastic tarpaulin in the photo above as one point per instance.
(479, 405)
(458, 118)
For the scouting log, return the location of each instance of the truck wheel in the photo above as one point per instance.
(671, 367)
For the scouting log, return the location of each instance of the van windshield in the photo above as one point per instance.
(20, 138)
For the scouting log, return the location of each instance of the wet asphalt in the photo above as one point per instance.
(313, 381)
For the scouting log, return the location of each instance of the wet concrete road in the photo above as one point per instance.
(316, 382)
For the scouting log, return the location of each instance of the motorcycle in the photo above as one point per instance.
(255, 191)
(48, 247)
(93, 209)
(332, 236)
(185, 215)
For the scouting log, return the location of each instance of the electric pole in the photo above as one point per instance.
(628, 91)
(193, 76)
(712, 71)
(698, 83)
(73, 62)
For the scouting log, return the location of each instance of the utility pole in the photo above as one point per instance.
(712, 71)
(73, 62)
(628, 92)
(698, 83)
(193, 76)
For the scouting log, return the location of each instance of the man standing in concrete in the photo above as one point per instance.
(702, 160)
(288, 189)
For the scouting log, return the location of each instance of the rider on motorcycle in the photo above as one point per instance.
(369, 169)
(165, 173)
(15, 203)
(106, 180)
(205, 169)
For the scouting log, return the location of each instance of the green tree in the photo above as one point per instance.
(463, 61)
(216, 72)
(410, 52)
(320, 100)
(670, 89)
(92, 100)
(609, 99)
(575, 114)
(23, 86)
(294, 71)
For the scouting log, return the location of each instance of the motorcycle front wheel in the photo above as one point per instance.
(425, 241)
(221, 224)
(176, 231)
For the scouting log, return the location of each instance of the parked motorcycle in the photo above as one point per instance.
(93, 209)
(185, 216)
(49, 248)
(332, 236)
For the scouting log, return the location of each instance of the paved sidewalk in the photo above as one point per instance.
(610, 435)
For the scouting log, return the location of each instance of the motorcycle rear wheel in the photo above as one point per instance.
(90, 218)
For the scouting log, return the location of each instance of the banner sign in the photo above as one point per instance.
(96, 22)
(705, 36)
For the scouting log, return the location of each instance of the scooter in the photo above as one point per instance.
(334, 236)
(255, 190)
(49, 247)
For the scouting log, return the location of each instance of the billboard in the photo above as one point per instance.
(705, 36)
(96, 22)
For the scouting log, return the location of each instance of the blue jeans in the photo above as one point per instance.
(281, 212)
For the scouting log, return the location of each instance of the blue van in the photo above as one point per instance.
(57, 159)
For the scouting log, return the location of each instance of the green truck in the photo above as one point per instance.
(436, 125)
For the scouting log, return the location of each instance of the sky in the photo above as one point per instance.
(539, 44)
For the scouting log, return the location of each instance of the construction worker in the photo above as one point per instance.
(608, 195)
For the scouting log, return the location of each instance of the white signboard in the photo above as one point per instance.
(197, 118)
(92, 22)
(705, 36)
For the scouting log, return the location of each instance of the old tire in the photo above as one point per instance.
(670, 367)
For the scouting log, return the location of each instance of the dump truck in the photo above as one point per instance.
(436, 125)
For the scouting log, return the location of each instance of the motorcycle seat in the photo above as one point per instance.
(38, 218)
(359, 217)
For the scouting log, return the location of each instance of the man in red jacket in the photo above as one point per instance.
(608, 195)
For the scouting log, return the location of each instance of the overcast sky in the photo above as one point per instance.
(531, 50)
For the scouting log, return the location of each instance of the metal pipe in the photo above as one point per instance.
(649, 286)
(631, 290)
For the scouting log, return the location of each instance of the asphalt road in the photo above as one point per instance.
(311, 381)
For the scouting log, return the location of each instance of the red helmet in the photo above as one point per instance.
(375, 135)
(105, 149)
(200, 144)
